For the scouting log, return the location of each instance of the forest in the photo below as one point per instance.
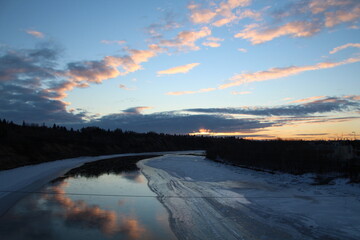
(31, 144)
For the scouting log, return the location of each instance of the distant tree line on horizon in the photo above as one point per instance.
(32, 143)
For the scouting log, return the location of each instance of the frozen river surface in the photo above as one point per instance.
(208, 200)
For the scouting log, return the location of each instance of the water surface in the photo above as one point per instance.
(106, 206)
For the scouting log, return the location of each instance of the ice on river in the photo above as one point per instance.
(209, 200)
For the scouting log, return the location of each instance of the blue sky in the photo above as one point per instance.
(146, 65)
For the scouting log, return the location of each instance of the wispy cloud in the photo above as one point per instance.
(276, 73)
(258, 34)
(36, 34)
(319, 6)
(185, 40)
(342, 16)
(337, 49)
(220, 13)
(302, 19)
(167, 23)
(179, 69)
(270, 74)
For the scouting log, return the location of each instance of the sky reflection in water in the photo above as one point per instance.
(65, 216)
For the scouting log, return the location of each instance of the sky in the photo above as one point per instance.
(257, 69)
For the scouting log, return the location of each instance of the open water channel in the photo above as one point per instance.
(101, 206)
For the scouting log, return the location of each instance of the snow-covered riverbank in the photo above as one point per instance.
(208, 200)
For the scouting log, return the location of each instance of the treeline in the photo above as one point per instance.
(31, 143)
(295, 157)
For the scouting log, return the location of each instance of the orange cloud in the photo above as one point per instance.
(179, 69)
(258, 35)
(335, 50)
(186, 39)
(276, 73)
(35, 33)
(191, 92)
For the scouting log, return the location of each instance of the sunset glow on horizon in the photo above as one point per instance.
(255, 69)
